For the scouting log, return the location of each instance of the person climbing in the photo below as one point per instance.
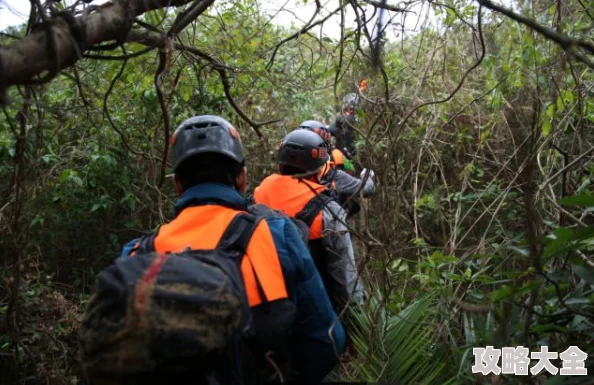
(343, 127)
(218, 294)
(297, 191)
(333, 175)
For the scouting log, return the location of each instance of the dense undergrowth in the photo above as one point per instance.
(481, 231)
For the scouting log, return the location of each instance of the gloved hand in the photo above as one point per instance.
(348, 165)
(365, 171)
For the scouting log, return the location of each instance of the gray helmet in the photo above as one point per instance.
(205, 134)
(317, 127)
(304, 150)
(350, 101)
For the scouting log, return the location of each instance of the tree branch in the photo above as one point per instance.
(106, 109)
(468, 71)
(165, 52)
(386, 6)
(152, 39)
(453, 9)
(570, 165)
(188, 16)
(29, 57)
(121, 57)
(299, 33)
(568, 44)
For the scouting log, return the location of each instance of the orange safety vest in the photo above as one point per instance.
(201, 227)
(338, 157)
(288, 194)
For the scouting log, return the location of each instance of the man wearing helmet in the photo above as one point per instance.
(343, 127)
(333, 175)
(297, 191)
(284, 289)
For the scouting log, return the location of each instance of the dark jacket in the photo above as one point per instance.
(320, 336)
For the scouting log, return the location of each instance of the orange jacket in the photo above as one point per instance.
(291, 195)
(201, 227)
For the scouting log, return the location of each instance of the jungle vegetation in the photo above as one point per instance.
(479, 127)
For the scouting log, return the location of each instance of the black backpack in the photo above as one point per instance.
(180, 314)
(309, 212)
(316, 247)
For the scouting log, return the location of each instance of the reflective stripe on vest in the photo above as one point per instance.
(290, 195)
(201, 227)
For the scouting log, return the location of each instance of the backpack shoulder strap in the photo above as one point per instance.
(309, 212)
(330, 176)
(239, 232)
(236, 238)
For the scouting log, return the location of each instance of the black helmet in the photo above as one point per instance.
(205, 134)
(303, 150)
(317, 127)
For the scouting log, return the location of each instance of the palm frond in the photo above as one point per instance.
(400, 347)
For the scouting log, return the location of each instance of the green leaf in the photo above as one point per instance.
(560, 276)
(550, 111)
(581, 324)
(76, 180)
(96, 207)
(438, 258)
(469, 330)
(483, 279)
(546, 127)
(584, 273)
(561, 237)
(410, 356)
(581, 200)
(186, 93)
(521, 251)
(502, 293)
(567, 239)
